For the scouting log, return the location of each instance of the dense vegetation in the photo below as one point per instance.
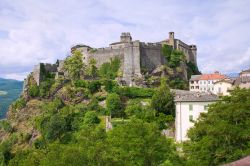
(12, 89)
(223, 134)
(63, 123)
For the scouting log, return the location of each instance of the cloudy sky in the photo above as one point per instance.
(33, 31)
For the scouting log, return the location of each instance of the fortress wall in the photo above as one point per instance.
(50, 67)
(151, 56)
(37, 73)
(104, 55)
(131, 61)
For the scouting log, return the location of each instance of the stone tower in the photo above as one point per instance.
(171, 39)
(125, 37)
(193, 49)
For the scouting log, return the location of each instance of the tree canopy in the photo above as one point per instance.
(223, 134)
(74, 65)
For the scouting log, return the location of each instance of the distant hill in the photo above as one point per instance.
(9, 91)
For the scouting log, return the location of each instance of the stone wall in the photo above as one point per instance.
(151, 56)
(37, 71)
(131, 61)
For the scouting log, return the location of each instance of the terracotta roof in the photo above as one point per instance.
(215, 76)
(191, 96)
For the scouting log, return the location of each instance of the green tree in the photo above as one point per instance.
(91, 118)
(167, 51)
(139, 143)
(109, 70)
(163, 100)
(91, 68)
(74, 65)
(114, 105)
(221, 135)
(53, 127)
(33, 90)
(176, 57)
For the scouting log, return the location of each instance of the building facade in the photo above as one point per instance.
(223, 87)
(189, 106)
(204, 82)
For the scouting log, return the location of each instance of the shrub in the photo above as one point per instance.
(110, 69)
(91, 118)
(134, 92)
(163, 100)
(53, 127)
(80, 83)
(74, 65)
(33, 90)
(94, 86)
(19, 104)
(178, 84)
(114, 105)
(5, 125)
(110, 85)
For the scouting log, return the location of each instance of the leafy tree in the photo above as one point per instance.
(167, 51)
(53, 127)
(94, 86)
(74, 65)
(173, 57)
(110, 85)
(91, 68)
(192, 69)
(114, 104)
(176, 57)
(33, 90)
(178, 83)
(110, 69)
(163, 100)
(221, 135)
(139, 143)
(135, 92)
(91, 118)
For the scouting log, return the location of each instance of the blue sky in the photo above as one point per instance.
(43, 31)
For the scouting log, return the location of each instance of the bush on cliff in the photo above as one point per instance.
(135, 92)
(18, 104)
(163, 100)
(110, 69)
(74, 65)
(114, 105)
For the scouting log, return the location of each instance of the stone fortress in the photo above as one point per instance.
(134, 56)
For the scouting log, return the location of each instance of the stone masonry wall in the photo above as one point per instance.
(151, 56)
(131, 61)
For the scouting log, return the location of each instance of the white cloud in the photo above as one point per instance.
(44, 30)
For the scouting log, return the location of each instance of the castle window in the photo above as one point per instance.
(192, 82)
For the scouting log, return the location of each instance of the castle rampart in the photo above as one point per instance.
(135, 56)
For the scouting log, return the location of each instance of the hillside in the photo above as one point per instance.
(9, 91)
(87, 117)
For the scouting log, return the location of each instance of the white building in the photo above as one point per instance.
(223, 87)
(204, 82)
(189, 106)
